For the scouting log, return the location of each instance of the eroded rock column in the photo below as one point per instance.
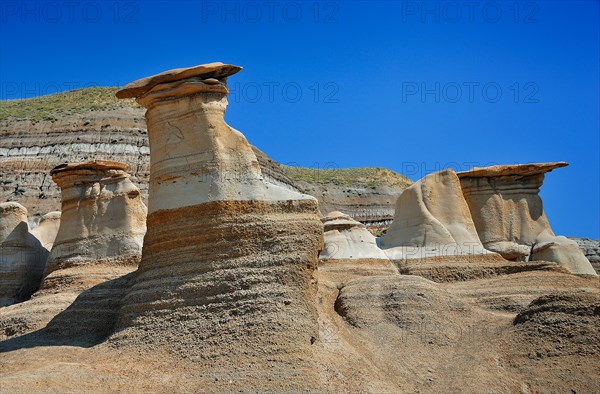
(228, 258)
(509, 215)
(101, 229)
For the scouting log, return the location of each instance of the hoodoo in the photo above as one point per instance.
(228, 257)
(22, 257)
(101, 229)
(509, 216)
(350, 249)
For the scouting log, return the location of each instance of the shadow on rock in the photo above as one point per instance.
(87, 322)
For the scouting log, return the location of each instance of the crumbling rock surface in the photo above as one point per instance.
(570, 320)
(555, 342)
(512, 292)
(508, 214)
(461, 268)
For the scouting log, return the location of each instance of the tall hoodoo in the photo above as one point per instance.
(509, 216)
(102, 225)
(228, 257)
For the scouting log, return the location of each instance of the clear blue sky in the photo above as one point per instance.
(409, 86)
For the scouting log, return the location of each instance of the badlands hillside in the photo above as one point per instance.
(191, 262)
(92, 124)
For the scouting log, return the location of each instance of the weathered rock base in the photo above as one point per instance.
(460, 268)
(230, 272)
(73, 306)
(345, 269)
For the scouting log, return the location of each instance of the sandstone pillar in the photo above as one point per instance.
(350, 250)
(228, 258)
(101, 229)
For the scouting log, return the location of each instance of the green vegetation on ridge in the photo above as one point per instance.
(48, 107)
(356, 177)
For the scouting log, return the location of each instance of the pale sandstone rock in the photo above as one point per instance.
(228, 257)
(509, 216)
(47, 229)
(350, 250)
(102, 224)
(211, 73)
(591, 249)
(22, 257)
(432, 219)
(197, 157)
(346, 238)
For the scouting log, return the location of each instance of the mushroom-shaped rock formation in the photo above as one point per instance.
(101, 229)
(228, 258)
(22, 257)
(350, 249)
(432, 219)
(196, 157)
(508, 213)
(346, 238)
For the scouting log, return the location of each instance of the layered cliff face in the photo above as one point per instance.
(591, 250)
(42, 133)
(366, 194)
(91, 124)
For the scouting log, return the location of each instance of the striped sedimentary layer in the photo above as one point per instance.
(29, 150)
(230, 272)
